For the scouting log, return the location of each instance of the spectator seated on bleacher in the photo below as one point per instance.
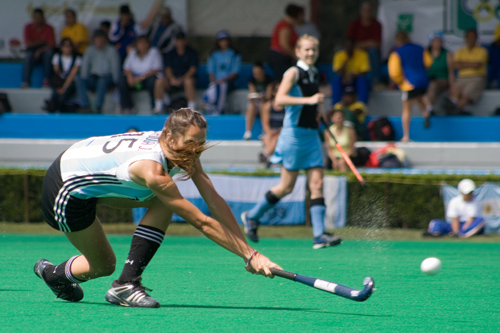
(163, 31)
(494, 60)
(181, 65)
(271, 117)
(66, 64)
(260, 90)
(366, 32)
(471, 65)
(75, 31)
(354, 111)
(439, 64)
(143, 70)
(345, 136)
(223, 66)
(351, 66)
(99, 72)
(40, 41)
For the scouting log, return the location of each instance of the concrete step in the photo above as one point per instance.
(244, 154)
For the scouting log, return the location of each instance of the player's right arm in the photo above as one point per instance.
(151, 175)
(283, 97)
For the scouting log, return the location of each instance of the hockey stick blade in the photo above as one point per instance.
(330, 287)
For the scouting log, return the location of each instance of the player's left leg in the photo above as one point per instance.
(318, 209)
(251, 218)
(128, 290)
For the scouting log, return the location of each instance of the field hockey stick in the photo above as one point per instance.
(330, 287)
(346, 157)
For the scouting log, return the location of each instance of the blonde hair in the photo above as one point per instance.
(306, 37)
(177, 126)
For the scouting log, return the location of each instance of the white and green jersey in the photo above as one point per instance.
(97, 167)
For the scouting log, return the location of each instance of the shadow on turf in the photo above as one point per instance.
(190, 306)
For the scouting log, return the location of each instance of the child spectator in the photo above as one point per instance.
(260, 89)
(354, 111)
(105, 26)
(439, 64)
(346, 136)
(463, 215)
(351, 66)
(75, 31)
(366, 32)
(99, 72)
(181, 65)
(66, 65)
(141, 70)
(271, 116)
(40, 41)
(223, 66)
(470, 63)
(407, 70)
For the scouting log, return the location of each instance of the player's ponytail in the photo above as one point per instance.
(177, 124)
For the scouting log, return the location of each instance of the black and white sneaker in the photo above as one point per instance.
(131, 294)
(326, 240)
(250, 227)
(71, 292)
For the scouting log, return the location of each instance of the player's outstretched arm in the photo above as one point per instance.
(216, 204)
(151, 175)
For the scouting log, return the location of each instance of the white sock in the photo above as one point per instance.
(192, 105)
(454, 100)
(428, 108)
(158, 104)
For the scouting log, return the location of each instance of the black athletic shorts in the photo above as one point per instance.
(61, 210)
(407, 95)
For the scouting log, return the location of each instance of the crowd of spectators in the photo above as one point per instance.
(127, 55)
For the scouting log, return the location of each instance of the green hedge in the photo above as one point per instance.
(389, 200)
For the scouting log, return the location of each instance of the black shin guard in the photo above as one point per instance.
(145, 243)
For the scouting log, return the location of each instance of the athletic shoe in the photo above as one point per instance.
(326, 240)
(131, 294)
(71, 292)
(250, 227)
(474, 228)
(247, 135)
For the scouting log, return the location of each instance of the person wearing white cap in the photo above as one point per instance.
(463, 214)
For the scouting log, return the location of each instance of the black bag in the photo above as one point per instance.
(177, 104)
(362, 156)
(380, 129)
(4, 103)
(390, 161)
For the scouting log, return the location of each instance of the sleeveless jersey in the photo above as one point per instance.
(303, 115)
(97, 167)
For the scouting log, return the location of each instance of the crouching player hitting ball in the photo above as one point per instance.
(133, 170)
(298, 145)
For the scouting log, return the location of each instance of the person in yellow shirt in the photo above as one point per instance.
(470, 63)
(344, 135)
(351, 66)
(75, 31)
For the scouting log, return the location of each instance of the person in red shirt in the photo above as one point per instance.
(281, 56)
(40, 40)
(366, 31)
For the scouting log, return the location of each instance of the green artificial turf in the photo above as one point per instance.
(203, 287)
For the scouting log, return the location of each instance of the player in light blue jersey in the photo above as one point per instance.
(298, 147)
(133, 170)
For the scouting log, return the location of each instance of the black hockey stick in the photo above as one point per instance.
(331, 287)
